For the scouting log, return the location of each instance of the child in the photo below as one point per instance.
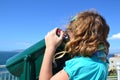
(88, 47)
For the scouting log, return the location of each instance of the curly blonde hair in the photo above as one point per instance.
(87, 31)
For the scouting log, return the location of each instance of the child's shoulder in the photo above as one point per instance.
(84, 66)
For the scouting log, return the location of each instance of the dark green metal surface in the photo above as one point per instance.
(26, 60)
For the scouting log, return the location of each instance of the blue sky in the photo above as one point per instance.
(25, 22)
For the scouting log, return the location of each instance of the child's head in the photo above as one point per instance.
(87, 31)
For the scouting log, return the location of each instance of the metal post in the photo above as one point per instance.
(5, 75)
(118, 70)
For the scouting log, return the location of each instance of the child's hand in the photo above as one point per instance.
(52, 40)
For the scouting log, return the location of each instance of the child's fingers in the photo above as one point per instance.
(61, 35)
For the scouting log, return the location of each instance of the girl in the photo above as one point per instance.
(88, 47)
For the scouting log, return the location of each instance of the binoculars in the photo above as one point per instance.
(26, 65)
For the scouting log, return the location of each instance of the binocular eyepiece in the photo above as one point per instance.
(66, 37)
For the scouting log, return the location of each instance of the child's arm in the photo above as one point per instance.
(46, 68)
(52, 42)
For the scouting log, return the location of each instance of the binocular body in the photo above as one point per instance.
(26, 65)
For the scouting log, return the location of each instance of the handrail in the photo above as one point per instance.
(5, 75)
(2, 66)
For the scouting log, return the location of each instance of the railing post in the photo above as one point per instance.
(8, 76)
(5, 76)
(118, 70)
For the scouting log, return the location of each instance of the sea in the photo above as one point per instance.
(5, 55)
